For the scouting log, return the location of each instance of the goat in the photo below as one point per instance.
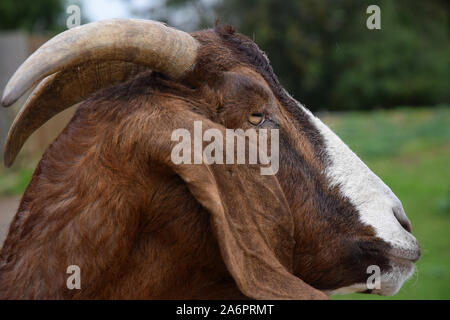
(107, 197)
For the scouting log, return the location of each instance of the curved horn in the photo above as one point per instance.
(60, 91)
(151, 43)
(82, 60)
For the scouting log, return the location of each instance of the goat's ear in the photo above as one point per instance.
(251, 221)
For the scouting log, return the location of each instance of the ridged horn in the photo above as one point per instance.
(59, 91)
(150, 43)
(82, 60)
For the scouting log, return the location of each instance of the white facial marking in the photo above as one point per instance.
(372, 198)
(375, 203)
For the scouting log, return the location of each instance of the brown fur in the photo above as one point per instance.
(106, 197)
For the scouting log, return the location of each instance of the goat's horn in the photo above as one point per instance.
(59, 91)
(80, 61)
(151, 43)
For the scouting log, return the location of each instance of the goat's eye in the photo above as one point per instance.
(256, 118)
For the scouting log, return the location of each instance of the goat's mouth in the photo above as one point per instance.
(402, 255)
(389, 268)
(388, 282)
(402, 265)
(392, 281)
(406, 255)
(401, 260)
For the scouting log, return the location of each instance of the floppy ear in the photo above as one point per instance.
(249, 215)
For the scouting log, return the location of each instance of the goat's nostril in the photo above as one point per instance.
(406, 226)
(402, 219)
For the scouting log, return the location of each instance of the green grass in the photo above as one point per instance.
(410, 150)
(14, 181)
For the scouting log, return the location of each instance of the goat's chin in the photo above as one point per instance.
(390, 282)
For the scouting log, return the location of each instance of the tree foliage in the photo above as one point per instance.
(32, 15)
(324, 54)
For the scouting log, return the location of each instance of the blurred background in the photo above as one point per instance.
(385, 91)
